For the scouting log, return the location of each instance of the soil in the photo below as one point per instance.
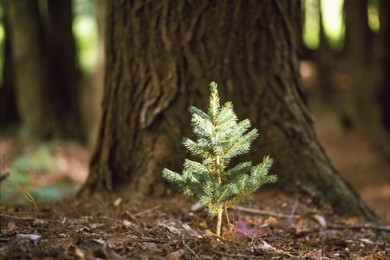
(274, 226)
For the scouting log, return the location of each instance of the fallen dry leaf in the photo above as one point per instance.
(273, 223)
(175, 255)
(243, 230)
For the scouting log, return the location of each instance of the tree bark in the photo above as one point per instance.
(161, 57)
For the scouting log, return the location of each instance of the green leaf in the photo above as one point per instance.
(172, 176)
(242, 145)
(196, 149)
(200, 113)
(214, 102)
(241, 168)
(195, 167)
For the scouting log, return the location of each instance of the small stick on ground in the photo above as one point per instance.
(379, 228)
(265, 213)
(189, 248)
(146, 211)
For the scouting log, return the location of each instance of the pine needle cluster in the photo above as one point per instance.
(219, 138)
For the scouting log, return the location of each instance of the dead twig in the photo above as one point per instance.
(378, 228)
(189, 248)
(265, 213)
(239, 256)
(15, 217)
(293, 210)
(27, 218)
(146, 211)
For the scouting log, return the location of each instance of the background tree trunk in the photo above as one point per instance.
(325, 61)
(93, 92)
(44, 68)
(365, 69)
(8, 108)
(362, 62)
(161, 57)
(385, 63)
(63, 69)
(28, 45)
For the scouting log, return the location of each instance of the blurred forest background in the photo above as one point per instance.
(52, 78)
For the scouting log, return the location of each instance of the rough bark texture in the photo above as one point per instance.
(161, 57)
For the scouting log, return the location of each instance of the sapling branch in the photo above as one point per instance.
(220, 137)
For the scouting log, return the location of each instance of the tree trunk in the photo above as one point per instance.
(44, 69)
(365, 69)
(385, 63)
(95, 92)
(63, 69)
(8, 109)
(325, 61)
(363, 66)
(27, 41)
(161, 57)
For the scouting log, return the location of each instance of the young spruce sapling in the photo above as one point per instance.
(220, 137)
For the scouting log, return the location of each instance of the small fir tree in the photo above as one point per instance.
(220, 137)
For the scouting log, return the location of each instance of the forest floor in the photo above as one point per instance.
(273, 226)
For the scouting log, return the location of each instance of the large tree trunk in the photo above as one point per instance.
(161, 57)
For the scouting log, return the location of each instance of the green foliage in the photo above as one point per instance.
(220, 137)
(41, 160)
(86, 35)
(35, 173)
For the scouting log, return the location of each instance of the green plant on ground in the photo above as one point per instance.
(220, 137)
(24, 179)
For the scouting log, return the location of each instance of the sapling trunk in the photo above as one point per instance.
(219, 219)
(220, 207)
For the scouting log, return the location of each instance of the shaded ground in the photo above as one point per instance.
(274, 226)
(357, 160)
(111, 228)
